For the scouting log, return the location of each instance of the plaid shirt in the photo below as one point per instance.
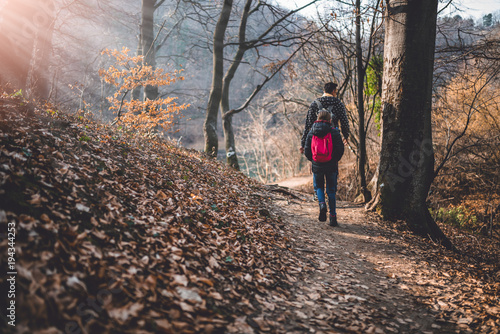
(338, 115)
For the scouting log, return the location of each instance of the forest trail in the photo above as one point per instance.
(364, 277)
(116, 234)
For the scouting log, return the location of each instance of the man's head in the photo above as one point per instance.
(330, 88)
(324, 116)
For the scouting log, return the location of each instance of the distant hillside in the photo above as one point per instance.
(114, 233)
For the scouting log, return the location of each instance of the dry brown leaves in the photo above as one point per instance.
(462, 290)
(130, 238)
(371, 277)
(121, 235)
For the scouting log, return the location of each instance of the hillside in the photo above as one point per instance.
(118, 234)
(113, 235)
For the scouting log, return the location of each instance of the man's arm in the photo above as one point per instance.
(344, 122)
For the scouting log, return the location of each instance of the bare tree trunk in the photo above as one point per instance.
(227, 126)
(361, 70)
(17, 36)
(221, 94)
(39, 79)
(136, 92)
(227, 120)
(210, 125)
(231, 157)
(147, 39)
(407, 156)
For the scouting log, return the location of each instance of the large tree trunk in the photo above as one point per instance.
(147, 39)
(361, 110)
(39, 77)
(210, 125)
(17, 36)
(407, 157)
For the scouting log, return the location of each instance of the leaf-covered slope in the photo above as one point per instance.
(115, 234)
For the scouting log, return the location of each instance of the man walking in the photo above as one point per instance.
(328, 101)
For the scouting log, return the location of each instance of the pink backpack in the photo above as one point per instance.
(322, 148)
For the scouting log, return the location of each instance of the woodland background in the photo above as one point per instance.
(119, 217)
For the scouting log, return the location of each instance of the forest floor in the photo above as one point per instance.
(374, 277)
(111, 233)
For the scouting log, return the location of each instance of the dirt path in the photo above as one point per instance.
(296, 182)
(364, 277)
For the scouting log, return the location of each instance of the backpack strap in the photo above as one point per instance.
(320, 106)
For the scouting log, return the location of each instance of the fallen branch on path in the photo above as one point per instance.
(282, 190)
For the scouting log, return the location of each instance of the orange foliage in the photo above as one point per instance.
(129, 73)
(474, 96)
(466, 123)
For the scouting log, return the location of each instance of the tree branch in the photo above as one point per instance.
(469, 117)
(157, 5)
(120, 109)
(257, 89)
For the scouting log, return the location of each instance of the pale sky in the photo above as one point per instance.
(478, 8)
(474, 8)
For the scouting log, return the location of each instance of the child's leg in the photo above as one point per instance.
(331, 190)
(319, 186)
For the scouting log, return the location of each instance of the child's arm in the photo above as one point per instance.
(307, 148)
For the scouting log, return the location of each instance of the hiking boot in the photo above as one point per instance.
(333, 221)
(322, 212)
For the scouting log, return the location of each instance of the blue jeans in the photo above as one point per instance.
(331, 189)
